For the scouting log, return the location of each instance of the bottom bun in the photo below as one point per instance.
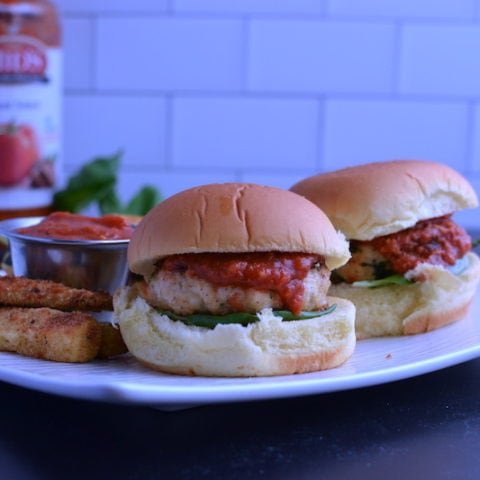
(440, 299)
(267, 347)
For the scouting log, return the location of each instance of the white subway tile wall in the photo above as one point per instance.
(78, 37)
(168, 54)
(245, 133)
(311, 56)
(100, 124)
(250, 6)
(269, 91)
(423, 9)
(360, 131)
(440, 60)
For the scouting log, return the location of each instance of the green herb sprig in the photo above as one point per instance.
(96, 183)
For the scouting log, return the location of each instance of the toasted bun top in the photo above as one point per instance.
(377, 199)
(234, 217)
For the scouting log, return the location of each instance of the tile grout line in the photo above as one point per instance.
(283, 95)
(170, 12)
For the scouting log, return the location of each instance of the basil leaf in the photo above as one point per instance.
(476, 243)
(241, 318)
(383, 282)
(110, 203)
(143, 201)
(96, 182)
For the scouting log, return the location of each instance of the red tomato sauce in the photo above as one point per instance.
(439, 241)
(269, 271)
(73, 226)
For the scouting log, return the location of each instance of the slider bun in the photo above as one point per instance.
(377, 199)
(234, 217)
(407, 309)
(267, 347)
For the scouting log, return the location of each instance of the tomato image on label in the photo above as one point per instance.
(18, 152)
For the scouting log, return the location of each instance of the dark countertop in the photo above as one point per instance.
(425, 427)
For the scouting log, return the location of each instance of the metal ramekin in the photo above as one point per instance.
(90, 264)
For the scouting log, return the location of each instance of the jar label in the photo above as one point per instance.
(30, 111)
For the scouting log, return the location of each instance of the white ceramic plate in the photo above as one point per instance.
(123, 380)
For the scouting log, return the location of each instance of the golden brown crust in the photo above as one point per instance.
(286, 366)
(377, 199)
(319, 361)
(27, 292)
(433, 320)
(234, 217)
(112, 343)
(49, 334)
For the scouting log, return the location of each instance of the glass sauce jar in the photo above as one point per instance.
(30, 106)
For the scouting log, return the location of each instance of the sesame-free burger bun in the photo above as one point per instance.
(377, 199)
(267, 347)
(234, 217)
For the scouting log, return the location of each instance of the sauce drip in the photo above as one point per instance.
(73, 226)
(271, 271)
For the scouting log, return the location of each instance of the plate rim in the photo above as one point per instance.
(272, 388)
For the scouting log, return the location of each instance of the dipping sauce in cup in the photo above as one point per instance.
(39, 250)
(72, 226)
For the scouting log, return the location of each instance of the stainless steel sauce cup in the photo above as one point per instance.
(90, 264)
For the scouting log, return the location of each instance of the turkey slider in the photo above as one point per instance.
(233, 281)
(412, 269)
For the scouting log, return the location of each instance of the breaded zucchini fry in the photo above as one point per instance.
(50, 334)
(112, 342)
(27, 292)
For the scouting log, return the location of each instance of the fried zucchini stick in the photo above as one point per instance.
(26, 292)
(112, 343)
(50, 334)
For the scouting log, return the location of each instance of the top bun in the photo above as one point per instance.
(234, 217)
(376, 199)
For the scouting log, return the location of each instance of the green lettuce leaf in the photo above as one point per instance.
(241, 318)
